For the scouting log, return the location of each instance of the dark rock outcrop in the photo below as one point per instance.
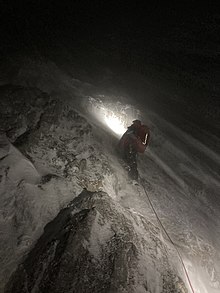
(94, 245)
(21, 110)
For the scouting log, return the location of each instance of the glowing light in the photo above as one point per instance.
(115, 124)
(116, 116)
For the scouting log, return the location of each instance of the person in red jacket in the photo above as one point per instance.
(133, 141)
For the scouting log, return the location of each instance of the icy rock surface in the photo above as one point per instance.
(47, 155)
(50, 162)
(52, 135)
(95, 245)
(20, 110)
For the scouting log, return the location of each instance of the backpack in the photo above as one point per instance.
(144, 134)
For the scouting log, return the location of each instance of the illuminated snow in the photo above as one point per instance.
(116, 116)
(115, 124)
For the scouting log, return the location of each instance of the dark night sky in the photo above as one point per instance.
(180, 38)
(95, 21)
(178, 33)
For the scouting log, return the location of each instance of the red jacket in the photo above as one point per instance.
(138, 137)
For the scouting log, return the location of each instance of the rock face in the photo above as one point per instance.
(21, 110)
(94, 245)
(51, 134)
(47, 156)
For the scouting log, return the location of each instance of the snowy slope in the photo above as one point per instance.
(58, 157)
(183, 179)
(181, 174)
(95, 245)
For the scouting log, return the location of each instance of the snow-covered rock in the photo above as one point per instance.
(52, 158)
(95, 245)
(49, 152)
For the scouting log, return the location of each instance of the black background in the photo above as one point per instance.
(170, 43)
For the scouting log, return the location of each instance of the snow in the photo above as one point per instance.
(115, 124)
(181, 175)
(99, 235)
(25, 207)
(184, 191)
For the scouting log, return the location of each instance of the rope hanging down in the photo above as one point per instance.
(171, 241)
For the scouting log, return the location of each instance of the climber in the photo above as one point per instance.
(133, 141)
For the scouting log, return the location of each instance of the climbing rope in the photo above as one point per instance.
(168, 236)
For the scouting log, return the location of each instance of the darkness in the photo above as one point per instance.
(119, 27)
(168, 43)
